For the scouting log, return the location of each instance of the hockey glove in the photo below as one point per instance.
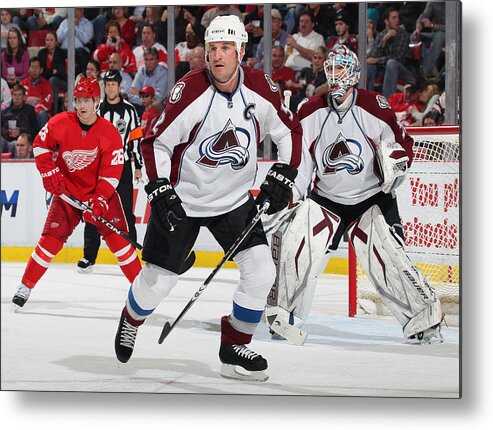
(277, 187)
(165, 204)
(393, 163)
(99, 207)
(53, 181)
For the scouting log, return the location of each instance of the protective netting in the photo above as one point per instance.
(429, 208)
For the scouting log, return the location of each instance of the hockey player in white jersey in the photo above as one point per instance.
(359, 154)
(202, 162)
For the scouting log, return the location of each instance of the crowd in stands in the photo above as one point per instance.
(405, 55)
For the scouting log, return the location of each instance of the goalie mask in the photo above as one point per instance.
(226, 28)
(342, 69)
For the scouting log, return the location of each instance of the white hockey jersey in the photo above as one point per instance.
(205, 142)
(341, 148)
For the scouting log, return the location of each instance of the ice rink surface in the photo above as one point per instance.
(62, 340)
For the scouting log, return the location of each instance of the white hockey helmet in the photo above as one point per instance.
(342, 69)
(226, 28)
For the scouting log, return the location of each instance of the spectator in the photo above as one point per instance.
(6, 95)
(312, 80)
(195, 38)
(151, 74)
(46, 18)
(402, 103)
(254, 26)
(301, 45)
(152, 15)
(7, 24)
(282, 75)
(197, 58)
(322, 19)
(343, 37)
(127, 26)
(20, 18)
(8, 148)
(432, 119)
(430, 27)
(391, 55)
(24, 147)
(220, 10)
(115, 43)
(371, 30)
(149, 41)
(15, 58)
(279, 37)
(428, 98)
(38, 92)
(93, 70)
(180, 26)
(151, 114)
(84, 33)
(52, 59)
(116, 63)
(19, 113)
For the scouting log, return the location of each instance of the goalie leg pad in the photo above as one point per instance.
(403, 288)
(299, 249)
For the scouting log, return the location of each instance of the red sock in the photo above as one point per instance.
(232, 336)
(47, 248)
(128, 259)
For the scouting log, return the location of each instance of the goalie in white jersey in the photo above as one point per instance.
(359, 154)
(202, 162)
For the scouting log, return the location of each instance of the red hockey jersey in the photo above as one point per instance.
(91, 161)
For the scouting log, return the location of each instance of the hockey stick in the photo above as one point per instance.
(83, 206)
(167, 326)
(74, 201)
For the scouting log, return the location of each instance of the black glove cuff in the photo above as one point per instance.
(161, 188)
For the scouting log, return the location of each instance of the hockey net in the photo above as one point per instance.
(429, 208)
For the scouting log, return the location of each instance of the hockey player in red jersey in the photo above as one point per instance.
(201, 162)
(360, 154)
(88, 167)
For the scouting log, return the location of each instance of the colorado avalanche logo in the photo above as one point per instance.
(230, 146)
(80, 159)
(343, 154)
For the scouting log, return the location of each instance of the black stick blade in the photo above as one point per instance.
(164, 332)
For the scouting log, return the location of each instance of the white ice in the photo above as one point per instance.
(67, 330)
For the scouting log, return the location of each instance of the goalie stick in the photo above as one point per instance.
(167, 326)
(74, 201)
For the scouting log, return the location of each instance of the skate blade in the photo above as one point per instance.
(16, 308)
(231, 371)
(86, 270)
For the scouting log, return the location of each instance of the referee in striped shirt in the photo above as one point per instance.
(124, 117)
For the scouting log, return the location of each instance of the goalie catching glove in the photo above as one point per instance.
(165, 204)
(393, 163)
(277, 187)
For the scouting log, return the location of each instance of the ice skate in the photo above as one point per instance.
(239, 362)
(125, 339)
(429, 336)
(84, 265)
(20, 297)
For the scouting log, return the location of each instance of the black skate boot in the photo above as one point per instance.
(20, 297)
(239, 362)
(125, 338)
(84, 265)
